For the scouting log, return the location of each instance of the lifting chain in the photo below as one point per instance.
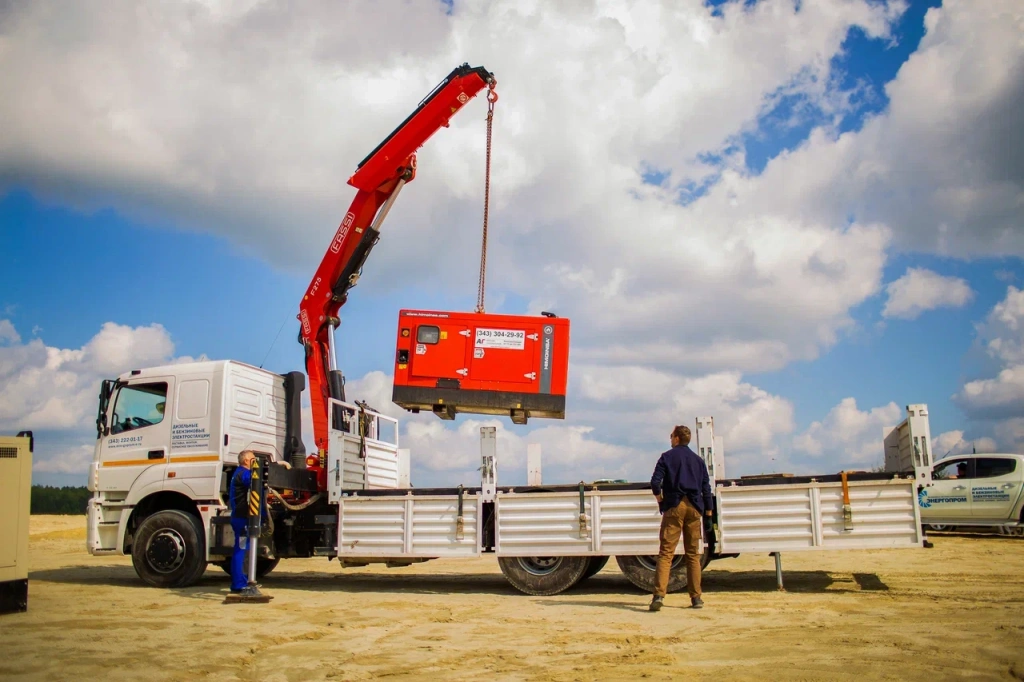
(492, 97)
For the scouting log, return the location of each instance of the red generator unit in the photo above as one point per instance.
(450, 363)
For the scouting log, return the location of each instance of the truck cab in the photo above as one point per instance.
(168, 440)
(975, 490)
(166, 436)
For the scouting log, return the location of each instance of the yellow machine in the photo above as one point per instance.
(15, 493)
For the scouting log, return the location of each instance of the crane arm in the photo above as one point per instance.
(378, 179)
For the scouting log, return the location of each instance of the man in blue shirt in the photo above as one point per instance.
(239, 497)
(683, 489)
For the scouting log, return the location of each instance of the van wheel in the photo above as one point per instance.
(941, 527)
(640, 570)
(263, 566)
(596, 564)
(543, 576)
(168, 549)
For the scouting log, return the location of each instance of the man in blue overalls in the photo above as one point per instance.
(239, 495)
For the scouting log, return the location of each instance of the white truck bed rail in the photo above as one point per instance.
(752, 518)
(805, 516)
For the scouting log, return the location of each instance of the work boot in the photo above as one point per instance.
(656, 603)
(696, 603)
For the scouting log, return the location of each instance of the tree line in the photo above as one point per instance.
(66, 500)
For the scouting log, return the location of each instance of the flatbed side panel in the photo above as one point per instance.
(883, 516)
(548, 524)
(409, 527)
(805, 516)
(628, 523)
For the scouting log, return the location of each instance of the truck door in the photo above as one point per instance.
(949, 496)
(995, 487)
(138, 434)
(440, 351)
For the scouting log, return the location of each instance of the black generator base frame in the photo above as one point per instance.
(446, 402)
(14, 596)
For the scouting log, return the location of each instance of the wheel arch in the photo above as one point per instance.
(157, 502)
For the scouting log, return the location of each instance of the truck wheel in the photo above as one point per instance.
(543, 576)
(168, 550)
(640, 570)
(596, 564)
(263, 566)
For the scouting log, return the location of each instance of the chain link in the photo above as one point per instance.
(492, 97)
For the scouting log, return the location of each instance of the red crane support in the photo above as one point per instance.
(378, 179)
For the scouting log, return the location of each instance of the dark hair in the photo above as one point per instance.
(682, 433)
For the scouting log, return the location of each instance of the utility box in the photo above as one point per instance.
(15, 499)
(510, 365)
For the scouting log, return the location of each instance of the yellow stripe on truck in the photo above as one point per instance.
(173, 460)
(196, 458)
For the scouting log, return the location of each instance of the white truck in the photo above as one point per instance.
(976, 490)
(168, 440)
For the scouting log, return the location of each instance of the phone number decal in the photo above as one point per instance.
(513, 339)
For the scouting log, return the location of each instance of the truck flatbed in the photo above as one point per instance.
(855, 476)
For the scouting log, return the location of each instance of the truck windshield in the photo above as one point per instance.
(138, 406)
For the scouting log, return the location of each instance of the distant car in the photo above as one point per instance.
(975, 490)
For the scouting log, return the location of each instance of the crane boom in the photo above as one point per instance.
(378, 178)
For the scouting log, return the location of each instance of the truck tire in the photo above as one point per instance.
(640, 570)
(263, 566)
(543, 576)
(596, 564)
(168, 550)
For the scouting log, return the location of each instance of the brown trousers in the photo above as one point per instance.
(682, 519)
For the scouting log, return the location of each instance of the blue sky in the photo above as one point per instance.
(145, 251)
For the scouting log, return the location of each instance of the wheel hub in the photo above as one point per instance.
(166, 550)
(540, 565)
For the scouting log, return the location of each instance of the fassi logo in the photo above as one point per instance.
(339, 237)
(304, 316)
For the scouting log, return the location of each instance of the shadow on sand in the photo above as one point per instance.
(214, 583)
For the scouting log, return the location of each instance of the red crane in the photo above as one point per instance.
(378, 179)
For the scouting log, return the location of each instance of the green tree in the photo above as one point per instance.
(66, 500)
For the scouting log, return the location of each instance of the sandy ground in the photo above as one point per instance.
(952, 612)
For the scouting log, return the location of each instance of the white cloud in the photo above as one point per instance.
(597, 86)
(650, 402)
(193, 115)
(1002, 396)
(8, 334)
(1009, 433)
(953, 443)
(920, 289)
(1001, 338)
(996, 398)
(1002, 333)
(72, 460)
(55, 388)
(942, 165)
(847, 436)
